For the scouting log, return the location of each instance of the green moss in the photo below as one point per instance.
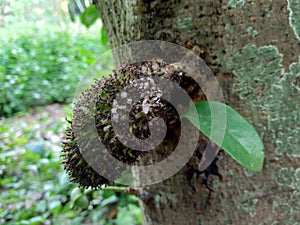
(281, 207)
(268, 221)
(229, 27)
(248, 173)
(184, 23)
(236, 3)
(297, 178)
(275, 223)
(215, 183)
(263, 83)
(249, 203)
(165, 199)
(285, 177)
(251, 32)
(289, 179)
(157, 199)
(294, 8)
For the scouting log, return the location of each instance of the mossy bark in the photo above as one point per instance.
(253, 48)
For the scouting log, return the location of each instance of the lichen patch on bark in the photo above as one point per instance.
(249, 206)
(288, 207)
(294, 8)
(263, 83)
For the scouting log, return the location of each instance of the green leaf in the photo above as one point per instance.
(89, 16)
(104, 38)
(37, 147)
(230, 131)
(82, 202)
(75, 194)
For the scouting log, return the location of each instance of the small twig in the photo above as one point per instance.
(115, 188)
(137, 191)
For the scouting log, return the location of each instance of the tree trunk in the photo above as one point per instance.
(253, 48)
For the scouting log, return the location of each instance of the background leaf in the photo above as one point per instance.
(104, 38)
(89, 16)
(230, 131)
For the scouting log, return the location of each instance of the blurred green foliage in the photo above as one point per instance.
(39, 67)
(53, 12)
(42, 58)
(35, 190)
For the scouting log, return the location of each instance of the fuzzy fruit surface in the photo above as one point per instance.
(97, 104)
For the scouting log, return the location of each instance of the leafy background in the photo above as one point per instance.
(42, 67)
(43, 56)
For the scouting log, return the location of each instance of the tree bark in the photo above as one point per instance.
(253, 48)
